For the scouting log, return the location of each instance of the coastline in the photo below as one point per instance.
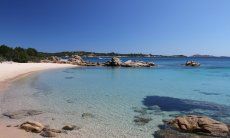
(12, 71)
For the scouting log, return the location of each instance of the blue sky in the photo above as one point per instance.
(125, 26)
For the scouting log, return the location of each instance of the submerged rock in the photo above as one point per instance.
(169, 133)
(142, 120)
(87, 115)
(70, 127)
(192, 63)
(22, 113)
(48, 134)
(31, 126)
(199, 125)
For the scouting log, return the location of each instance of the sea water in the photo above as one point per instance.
(115, 97)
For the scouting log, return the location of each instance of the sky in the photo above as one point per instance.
(165, 27)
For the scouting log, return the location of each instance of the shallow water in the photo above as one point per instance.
(115, 96)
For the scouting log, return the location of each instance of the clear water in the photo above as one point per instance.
(113, 94)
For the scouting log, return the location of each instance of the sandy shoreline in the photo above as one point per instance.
(12, 71)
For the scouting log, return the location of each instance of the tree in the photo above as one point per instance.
(6, 52)
(32, 52)
(20, 55)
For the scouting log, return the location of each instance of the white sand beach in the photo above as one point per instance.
(11, 71)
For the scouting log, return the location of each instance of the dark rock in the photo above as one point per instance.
(192, 64)
(169, 133)
(183, 105)
(8, 125)
(48, 134)
(87, 115)
(70, 127)
(22, 113)
(142, 120)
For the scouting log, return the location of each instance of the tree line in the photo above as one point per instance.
(19, 54)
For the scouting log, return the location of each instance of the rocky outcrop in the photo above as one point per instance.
(31, 126)
(52, 59)
(192, 64)
(131, 63)
(22, 113)
(116, 62)
(199, 125)
(77, 60)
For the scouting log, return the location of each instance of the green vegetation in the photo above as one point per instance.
(19, 54)
(23, 55)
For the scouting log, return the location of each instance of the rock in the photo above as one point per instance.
(70, 127)
(169, 133)
(87, 115)
(131, 63)
(140, 110)
(192, 63)
(77, 60)
(53, 59)
(142, 120)
(115, 61)
(48, 134)
(22, 113)
(199, 124)
(31, 126)
(8, 125)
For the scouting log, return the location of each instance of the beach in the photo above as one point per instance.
(10, 71)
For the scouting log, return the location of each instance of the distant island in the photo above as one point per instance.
(24, 55)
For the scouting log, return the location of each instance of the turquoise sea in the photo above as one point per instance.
(117, 96)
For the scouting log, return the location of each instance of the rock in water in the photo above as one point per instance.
(131, 63)
(142, 120)
(70, 127)
(22, 113)
(199, 124)
(31, 126)
(48, 134)
(169, 133)
(115, 61)
(192, 63)
(87, 115)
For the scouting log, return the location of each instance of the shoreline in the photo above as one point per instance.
(10, 72)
